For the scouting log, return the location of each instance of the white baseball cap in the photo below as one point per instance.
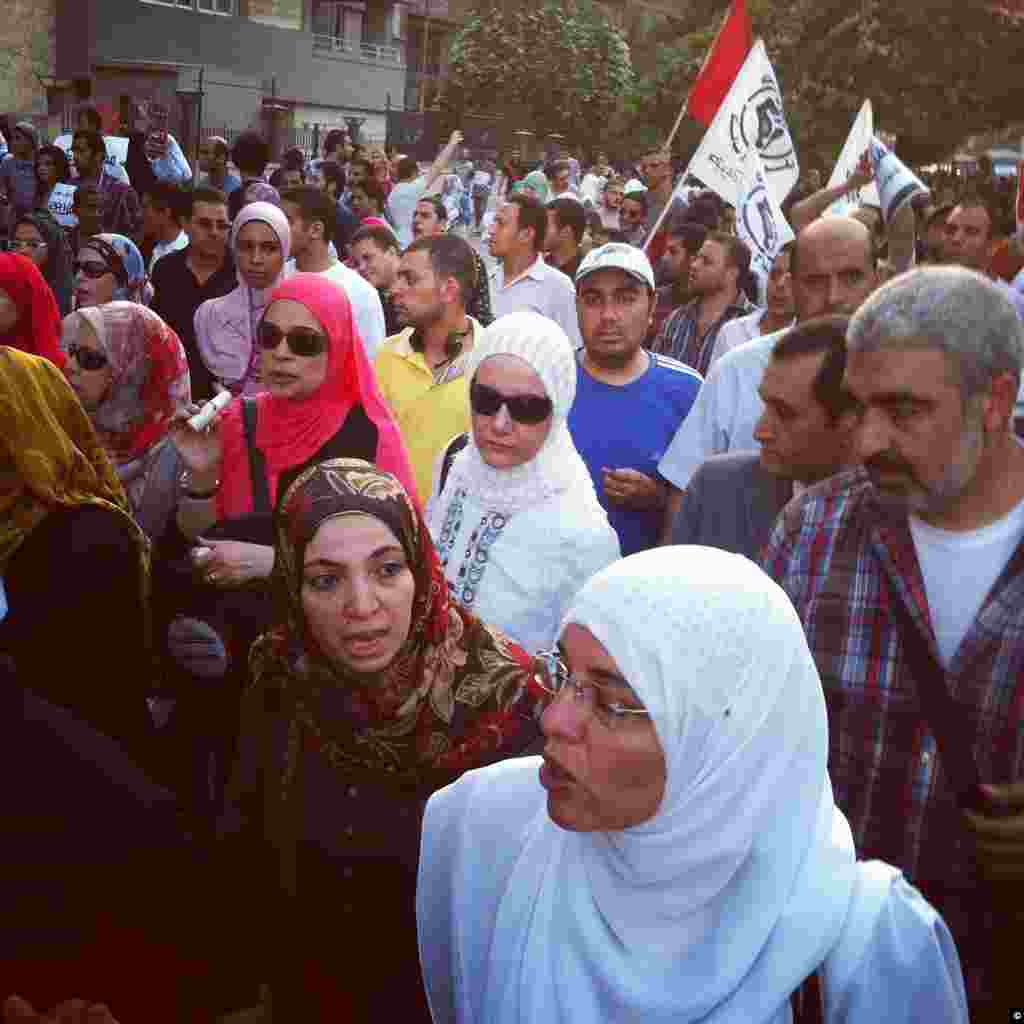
(633, 185)
(618, 256)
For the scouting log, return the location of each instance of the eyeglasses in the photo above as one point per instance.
(529, 409)
(553, 676)
(87, 358)
(92, 269)
(22, 243)
(302, 341)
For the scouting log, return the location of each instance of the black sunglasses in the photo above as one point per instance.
(303, 341)
(91, 269)
(87, 358)
(531, 409)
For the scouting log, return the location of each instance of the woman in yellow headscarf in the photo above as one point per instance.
(73, 563)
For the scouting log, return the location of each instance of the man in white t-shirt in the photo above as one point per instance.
(310, 214)
(908, 575)
(412, 186)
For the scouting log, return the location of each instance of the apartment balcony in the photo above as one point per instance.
(355, 49)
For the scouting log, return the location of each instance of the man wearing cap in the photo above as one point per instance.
(718, 274)
(629, 402)
(17, 170)
(633, 213)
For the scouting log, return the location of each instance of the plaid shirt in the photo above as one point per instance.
(679, 339)
(832, 550)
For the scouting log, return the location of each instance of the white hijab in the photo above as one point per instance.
(557, 468)
(718, 907)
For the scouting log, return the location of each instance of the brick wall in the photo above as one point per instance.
(27, 47)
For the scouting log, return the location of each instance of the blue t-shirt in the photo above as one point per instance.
(629, 427)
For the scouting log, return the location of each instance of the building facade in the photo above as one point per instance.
(287, 67)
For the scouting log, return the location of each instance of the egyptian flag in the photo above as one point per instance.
(721, 65)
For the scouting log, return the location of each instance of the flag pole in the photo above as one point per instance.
(664, 210)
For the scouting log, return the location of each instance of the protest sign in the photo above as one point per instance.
(751, 116)
(117, 149)
(857, 143)
(61, 203)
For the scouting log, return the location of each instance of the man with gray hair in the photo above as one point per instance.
(908, 574)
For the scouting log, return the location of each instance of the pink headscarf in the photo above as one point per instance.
(292, 431)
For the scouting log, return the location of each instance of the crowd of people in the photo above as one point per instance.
(483, 559)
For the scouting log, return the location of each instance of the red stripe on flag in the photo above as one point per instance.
(721, 65)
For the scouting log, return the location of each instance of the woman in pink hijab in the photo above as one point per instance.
(226, 327)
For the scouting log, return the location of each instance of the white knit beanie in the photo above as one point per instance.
(542, 345)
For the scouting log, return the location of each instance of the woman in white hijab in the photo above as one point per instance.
(516, 521)
(686, 862)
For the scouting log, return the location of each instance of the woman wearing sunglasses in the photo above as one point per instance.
(676, 855)
(372, 690)
(516, 521)
(110, 268)
(39, 237)
(130, 372)
(226, 327)
(29, 317)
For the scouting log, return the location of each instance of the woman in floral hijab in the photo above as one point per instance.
(341, 743)
(130, 371)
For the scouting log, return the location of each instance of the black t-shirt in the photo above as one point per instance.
(177, 296)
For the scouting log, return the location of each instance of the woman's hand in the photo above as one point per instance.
(200, 450)
(71, 1011)
(232, 563)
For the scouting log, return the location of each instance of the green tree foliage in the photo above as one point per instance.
(935, 70)
(562, 64)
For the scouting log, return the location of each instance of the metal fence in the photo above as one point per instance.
(342, 47)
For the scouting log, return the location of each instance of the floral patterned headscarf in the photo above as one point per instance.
(455, 695)
(149, 376)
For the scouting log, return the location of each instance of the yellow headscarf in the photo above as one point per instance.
(57, 460)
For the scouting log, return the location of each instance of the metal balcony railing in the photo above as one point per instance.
(376, 53)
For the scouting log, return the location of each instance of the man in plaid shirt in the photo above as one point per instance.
(933, 518)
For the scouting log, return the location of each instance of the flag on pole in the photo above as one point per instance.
(857, 144)
(760, 222)
(750, 117)
(721, 65)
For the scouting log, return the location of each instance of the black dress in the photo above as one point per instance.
(86, 830)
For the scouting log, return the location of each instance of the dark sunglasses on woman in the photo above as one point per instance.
(87, 358)
(91, 269)
(529, 409)
(303, 341)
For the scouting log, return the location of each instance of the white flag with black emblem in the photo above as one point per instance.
(857, 143)
(750, 117)
(760, 222)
